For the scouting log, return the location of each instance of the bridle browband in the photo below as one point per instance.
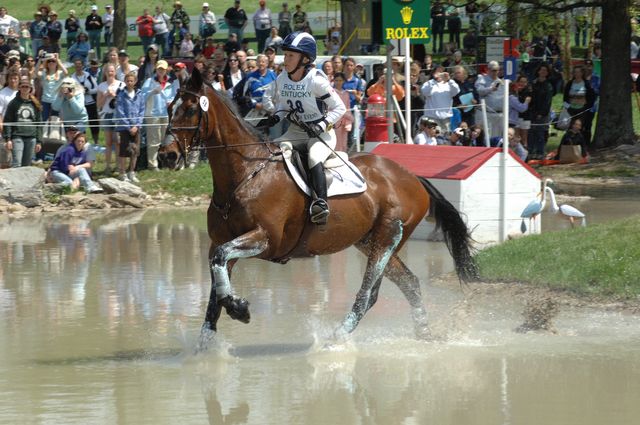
(196, 140)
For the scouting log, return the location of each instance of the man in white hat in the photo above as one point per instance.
(93, 25)
(107, 21)
(207, 22)
(490, 88)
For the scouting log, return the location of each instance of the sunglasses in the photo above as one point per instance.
(233, 60)
(30, 60)
(25, 87)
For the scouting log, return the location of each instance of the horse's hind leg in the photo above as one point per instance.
(383, 244)
(409, 284)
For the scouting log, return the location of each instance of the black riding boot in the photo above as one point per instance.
(319, 210)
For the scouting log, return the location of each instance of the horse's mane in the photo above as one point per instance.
(234, 111)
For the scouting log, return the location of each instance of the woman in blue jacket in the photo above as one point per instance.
(80, 48)
(129, 114)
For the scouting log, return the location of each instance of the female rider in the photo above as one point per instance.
(307, 92)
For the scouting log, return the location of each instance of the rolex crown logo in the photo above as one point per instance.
(406, 13)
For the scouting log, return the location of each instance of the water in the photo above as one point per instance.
(100, 317)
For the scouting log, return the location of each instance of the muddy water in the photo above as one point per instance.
(100, 316)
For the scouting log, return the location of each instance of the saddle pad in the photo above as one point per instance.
(344, 181)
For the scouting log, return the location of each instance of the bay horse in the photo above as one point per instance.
(257, 210)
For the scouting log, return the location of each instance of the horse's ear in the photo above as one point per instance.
(196, 79)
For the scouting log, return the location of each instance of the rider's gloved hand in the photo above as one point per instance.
(268, 122)
(314, 130)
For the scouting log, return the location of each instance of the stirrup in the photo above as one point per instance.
(319, 211)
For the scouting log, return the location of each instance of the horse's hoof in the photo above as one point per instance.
(207, 335)
(237, 308)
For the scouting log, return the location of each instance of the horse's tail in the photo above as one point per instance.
(455, 231)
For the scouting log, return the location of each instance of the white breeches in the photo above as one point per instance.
(318, 151)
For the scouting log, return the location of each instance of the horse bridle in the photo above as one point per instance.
(196, 141)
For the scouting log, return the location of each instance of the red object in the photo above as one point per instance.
(145, 26)
(442, 162)
(376, 124)
(510, 48)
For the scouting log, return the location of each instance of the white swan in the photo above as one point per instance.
(570, 212)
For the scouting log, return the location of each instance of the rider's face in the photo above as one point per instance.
(291, 60)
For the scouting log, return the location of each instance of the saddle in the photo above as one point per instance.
(342, 176)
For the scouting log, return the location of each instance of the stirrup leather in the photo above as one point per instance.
(319, 211)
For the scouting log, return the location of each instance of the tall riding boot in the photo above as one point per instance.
(319, 210)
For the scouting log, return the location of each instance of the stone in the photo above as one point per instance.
(113, 185)
(23, 185)
(120, 200)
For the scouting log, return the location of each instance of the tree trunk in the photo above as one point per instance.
(615, 125)
(120, 24)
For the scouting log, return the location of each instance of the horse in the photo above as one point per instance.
(256, 210)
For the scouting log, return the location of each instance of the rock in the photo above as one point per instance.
(23, 185)
(112, 185)
(120, 200)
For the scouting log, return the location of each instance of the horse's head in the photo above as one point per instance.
(189, 119)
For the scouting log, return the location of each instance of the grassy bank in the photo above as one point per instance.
(599, 260)
(185, 183)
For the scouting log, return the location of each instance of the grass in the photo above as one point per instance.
(599, 260)
(186, 183)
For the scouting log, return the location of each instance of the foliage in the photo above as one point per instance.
(595, 260)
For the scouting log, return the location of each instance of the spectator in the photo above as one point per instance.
(181, 73)
(54, 31)
(454, 25)
(236, 19)
(254, 87)
(107, 22)
(95, 70)
(270, 52)
(327, 68)
(524, 118)
(417, 100)
(29, 68)
(180, 21)
(124, 67)
(355, 87)
(93, 25)
(573, 137)
(469, 42)
(8, 92)
(477, 136)
(71, 166)
(594, 81)
(284, 21)
(466, 111)
(345, 124)
(22, 138)
(514, 144)
(107, 91)
(186, 46)
(80, 48)
(72, 26)
(242, 59)
(231, 46)
(161, 30)
(539, 111)
(380, 88)
(130, 107)
(438, 94)
(50, 73)
(274, 40)
(489, 89)
(145, 29)
(300, 22)
(148, 67)
(579, 98)
(207, 25)
(516, 106)
(69, 104)
(336, 60)
(438, 21)
(8, 24)
(262, 24)
(218, 60)
(427, 132)
(209, 47)
(37, 29)
(112, 58)
(90, 85)
(158, 92)
(199, 63)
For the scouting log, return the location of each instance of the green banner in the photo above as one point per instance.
(407, 19)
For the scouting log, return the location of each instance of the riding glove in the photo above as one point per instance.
(268, 122)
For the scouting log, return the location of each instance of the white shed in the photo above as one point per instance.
(469, 177)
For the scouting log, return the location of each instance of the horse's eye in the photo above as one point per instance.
(190, 111)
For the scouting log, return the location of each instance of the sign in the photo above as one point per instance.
(510, 68)
(406, 19)
(490, 48)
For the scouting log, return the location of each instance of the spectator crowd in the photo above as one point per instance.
(106, 96)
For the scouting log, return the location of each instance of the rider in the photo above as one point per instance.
(306, 92)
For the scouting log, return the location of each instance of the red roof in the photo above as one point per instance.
(442, 162)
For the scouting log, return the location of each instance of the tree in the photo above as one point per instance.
(120, 24)
(615, 125)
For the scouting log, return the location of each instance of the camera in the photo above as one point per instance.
(112, 103)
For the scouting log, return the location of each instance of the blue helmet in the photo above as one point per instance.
(301, 42)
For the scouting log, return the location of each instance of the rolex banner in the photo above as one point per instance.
(407, 19)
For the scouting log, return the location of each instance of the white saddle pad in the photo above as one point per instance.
(344, 181)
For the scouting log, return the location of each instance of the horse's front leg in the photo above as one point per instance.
(248, 245)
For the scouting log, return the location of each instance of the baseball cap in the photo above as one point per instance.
(179, 65)
(205, 4)
(13, 54)
(273, 49)
(68, 82)
(493, 65)
(108, 6)
(94, 7)
(162, 64)
(123, 53)
(94, 62)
